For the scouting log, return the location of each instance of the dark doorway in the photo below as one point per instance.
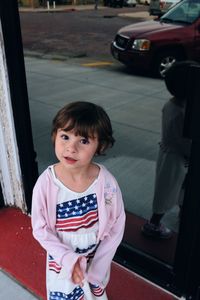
(1, 198)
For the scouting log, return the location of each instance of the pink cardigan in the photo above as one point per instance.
(111, 225)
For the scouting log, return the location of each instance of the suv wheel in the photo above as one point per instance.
(165, 61)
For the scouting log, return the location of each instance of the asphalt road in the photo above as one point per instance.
(86, 33)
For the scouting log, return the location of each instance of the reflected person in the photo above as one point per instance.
(174, 152)
(96, 3)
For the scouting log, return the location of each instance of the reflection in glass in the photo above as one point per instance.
(134, 104)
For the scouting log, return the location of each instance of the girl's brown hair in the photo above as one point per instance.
(87, 120)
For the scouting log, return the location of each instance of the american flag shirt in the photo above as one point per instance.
(77, 226)
(77, 213)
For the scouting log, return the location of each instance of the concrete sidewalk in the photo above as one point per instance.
(59, 8)
(122, 12)
(10, 289)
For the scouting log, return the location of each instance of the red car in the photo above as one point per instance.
(155, 45)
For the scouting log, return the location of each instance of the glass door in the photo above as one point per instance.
(134, 103)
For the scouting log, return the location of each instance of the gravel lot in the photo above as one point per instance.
(79, 33)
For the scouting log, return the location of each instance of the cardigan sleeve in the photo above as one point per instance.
(42, 218)
(100, 265)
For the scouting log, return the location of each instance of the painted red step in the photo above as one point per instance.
(24, 259)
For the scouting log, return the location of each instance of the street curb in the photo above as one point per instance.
(52, 56)
(143, 15)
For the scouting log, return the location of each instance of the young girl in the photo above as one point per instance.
(77, 209)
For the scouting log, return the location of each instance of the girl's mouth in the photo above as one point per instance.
(70, 160)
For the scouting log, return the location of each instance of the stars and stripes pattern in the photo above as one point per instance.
(53, 266)
(85, 250)
(96, 290)
(76, 214)
(76, 294)
(90, 251)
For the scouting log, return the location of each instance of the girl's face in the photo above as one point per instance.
(74, 150)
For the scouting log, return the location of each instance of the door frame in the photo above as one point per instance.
(18, 112)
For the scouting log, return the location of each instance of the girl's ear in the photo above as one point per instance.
(53, 137)
(101, 149)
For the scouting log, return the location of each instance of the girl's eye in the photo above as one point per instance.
(64, 137)
(84, 141)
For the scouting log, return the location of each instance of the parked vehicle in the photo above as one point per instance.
(145, 2)
(130, 3)
(155, 45)
(114, 3)
(120, 3)
(160, 7)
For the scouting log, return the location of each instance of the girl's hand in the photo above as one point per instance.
(77, 274)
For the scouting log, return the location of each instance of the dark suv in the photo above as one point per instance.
(114, 3)
(155, 45)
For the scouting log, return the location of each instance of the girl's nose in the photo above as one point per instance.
(71, 147)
